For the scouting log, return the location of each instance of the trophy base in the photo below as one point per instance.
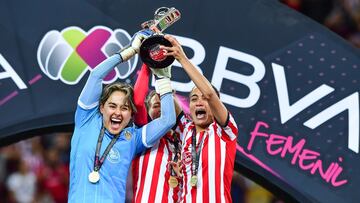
(152, 55)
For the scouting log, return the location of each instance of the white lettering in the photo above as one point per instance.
(288, 111)
(350, 103)
(10, 73)
(250, 81)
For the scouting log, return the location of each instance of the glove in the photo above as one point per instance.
(134, 47)
(162, 72)
(139, 37)
(163, 86)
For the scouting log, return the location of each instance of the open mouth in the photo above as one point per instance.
(115, 122)
(200, 113)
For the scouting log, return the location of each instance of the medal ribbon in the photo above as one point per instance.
(175, 142)
(98, 162)
(195, 153)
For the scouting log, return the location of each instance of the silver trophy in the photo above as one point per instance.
(150, 53)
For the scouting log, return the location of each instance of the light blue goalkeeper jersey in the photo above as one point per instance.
(111, 187)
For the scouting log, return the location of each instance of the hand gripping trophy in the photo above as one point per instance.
(150, 53)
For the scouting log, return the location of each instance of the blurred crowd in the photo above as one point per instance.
(340, 16)
(35, 170)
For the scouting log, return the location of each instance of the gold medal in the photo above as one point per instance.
(193, 181)
(94, 177)
(127, 135)
(173, 182)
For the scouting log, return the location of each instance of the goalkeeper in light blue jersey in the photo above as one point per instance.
(104, 142)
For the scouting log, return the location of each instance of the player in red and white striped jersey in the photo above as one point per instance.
(208, 167)
(150, 170)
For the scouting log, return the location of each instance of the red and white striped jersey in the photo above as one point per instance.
(216, 163)
(151, 174)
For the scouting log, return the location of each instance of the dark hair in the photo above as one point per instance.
(148, 99)
(122, 87)
(217, 91)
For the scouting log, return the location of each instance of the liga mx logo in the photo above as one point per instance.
(67, 55)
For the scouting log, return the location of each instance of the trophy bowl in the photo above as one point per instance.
(152, 55)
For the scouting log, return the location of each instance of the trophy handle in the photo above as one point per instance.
(164, 18)
(167, 19)
(147, 24)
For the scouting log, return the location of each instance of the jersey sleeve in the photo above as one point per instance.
(157, 128)
(140, 147)
(229, 132)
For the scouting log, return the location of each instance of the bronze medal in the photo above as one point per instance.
(193, 181)
(173, 182)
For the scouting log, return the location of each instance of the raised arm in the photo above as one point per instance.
(141, 88)
(89, 97)
(221, 113)
(178, 109)
(157, 128)
(92, 90)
